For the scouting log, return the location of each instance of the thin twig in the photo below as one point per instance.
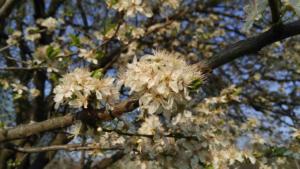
(6, 47)
(21, 68)
(174, 135)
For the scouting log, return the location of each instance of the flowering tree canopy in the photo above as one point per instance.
(179, 84)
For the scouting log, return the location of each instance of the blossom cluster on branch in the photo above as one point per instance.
(76, 87)
(132, 7)
(162, 80)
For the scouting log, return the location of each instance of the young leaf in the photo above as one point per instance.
(52, 52)
(97, 74)
(75, 41)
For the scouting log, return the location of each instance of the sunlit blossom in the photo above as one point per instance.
(88, 55)
(151, 125)
(50, 23)
(14, 38)
(32, 33)
(162, 80)
(76, 87)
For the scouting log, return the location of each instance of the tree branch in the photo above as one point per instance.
(254, 44)
(173, 135)
(6, 8)
(82, 13)
(21, 68)
(55, 4)
(108, 161)
(275, 10)
(43, 158)
(27, 130)
(67, 147)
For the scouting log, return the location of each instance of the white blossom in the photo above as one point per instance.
(131, 7)
(76, 87)
(19, 88)
(34, 92)
(161, 80)
(32, 33)
(296, 133)
(88, 55)
(14, 38)
(50, 23)
(151, 126)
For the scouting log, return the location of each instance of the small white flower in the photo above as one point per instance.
(90, 56)
(151, 126)
(50, 23)
(34, 92)
(296, 133)
(32, 34)
(80, 101)
(131, 7)
(19, 88)
(14, 38)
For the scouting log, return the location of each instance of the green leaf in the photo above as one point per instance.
(10, 30)
(210, 166)
(17, 96)
(69, 12)
(109, 25)
(75, 41)
(99, 55)
(277, 151)
(98, 74)
(195, 84)
(52, 52)
(2, 124)
(111, 2)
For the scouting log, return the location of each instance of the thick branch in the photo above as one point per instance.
(254, 44)
(22, 131)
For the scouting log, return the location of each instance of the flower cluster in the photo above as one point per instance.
(132, 7)
(162, 80)
(50, 23)
(14, 38)
(76, 87)
(204, 129)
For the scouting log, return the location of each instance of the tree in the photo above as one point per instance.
(149, 84)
